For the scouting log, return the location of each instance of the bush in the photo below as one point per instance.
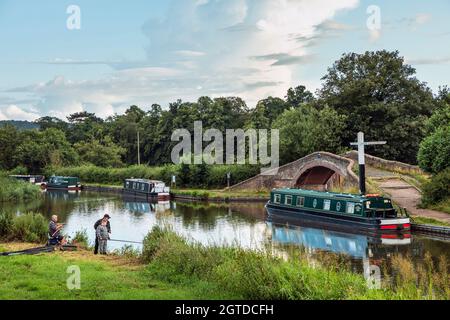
(244, 274)
(437, 189)
(81, 238)
(15, 190)
(30, 227)
(6, 224)
(435, 150)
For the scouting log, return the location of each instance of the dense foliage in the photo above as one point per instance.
(434, 152)
(29, 227)
(187, 175)
(438, 189)
(13, 190)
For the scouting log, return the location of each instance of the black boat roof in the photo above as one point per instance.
(330, 195)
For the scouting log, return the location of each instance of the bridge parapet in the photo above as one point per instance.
(288, 176)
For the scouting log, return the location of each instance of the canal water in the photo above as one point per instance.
(244, 225)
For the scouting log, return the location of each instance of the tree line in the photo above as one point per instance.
(374, 92)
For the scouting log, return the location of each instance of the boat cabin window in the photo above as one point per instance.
(277, 198)
(315, 203)
(128, 184)
(326, 204)
(338, 206)
(350, 207)
(288, 200)
(142, 186)
(300, 201)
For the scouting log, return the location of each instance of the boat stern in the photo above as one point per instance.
(399, 224)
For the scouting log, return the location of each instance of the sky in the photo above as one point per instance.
(104, 56)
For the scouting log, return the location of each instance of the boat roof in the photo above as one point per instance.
(326, 194)
(63, 177)
(144, 180)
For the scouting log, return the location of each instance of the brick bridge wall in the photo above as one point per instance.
(288, 175)
(384, 164)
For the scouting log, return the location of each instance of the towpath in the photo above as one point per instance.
(404, 194)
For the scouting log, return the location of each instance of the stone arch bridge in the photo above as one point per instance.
(318, 171)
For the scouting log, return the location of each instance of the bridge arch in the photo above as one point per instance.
(318, 171)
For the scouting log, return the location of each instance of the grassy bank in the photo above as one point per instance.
(221, 194)
(14, 190)
(172, 268)
(430, 221)
(44, 277)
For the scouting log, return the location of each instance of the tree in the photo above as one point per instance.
(101, 153)
(84, 126)
(298, 95)
(306, 129)
(9, 140)
(123, 130)
(51, 122)
(270, 108)
(435, 150)
(38, 150)
(382, 97)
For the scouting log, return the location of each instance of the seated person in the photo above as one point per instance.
(54, 232)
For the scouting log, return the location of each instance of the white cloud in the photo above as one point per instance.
(210, 45)
(13, 112)
(422, 18)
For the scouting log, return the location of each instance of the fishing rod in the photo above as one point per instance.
(125, 241)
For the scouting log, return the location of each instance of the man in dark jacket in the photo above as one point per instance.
(108, 226)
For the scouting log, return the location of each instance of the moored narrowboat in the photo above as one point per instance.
(364, 212)
(146, 189)
(64, 183)
(33, 179)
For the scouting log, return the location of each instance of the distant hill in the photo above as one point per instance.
(21, 125)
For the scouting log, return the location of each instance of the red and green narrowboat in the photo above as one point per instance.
(364, 212)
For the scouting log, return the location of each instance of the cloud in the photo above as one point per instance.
(13, 112)
(422, 18)
(429, 61)
(246, 48)
(284, 59)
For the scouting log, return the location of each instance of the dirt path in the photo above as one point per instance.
(407, 196)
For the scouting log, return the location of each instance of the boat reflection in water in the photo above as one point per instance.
(370, 249)
(147, 207)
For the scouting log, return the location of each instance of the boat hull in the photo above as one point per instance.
(61, 187)
(147, 196)
(342, 221)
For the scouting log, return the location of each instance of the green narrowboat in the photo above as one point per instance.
(63, 183)
(365, 212)
(146, 189)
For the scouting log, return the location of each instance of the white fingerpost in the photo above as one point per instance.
(362, 159)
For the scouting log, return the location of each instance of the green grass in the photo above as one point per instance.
(443, 206)
(431, 221)
(223, 194)
(170, 267)
(44, 277)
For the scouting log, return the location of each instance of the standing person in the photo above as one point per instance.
(108, 226)
(102, 235)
